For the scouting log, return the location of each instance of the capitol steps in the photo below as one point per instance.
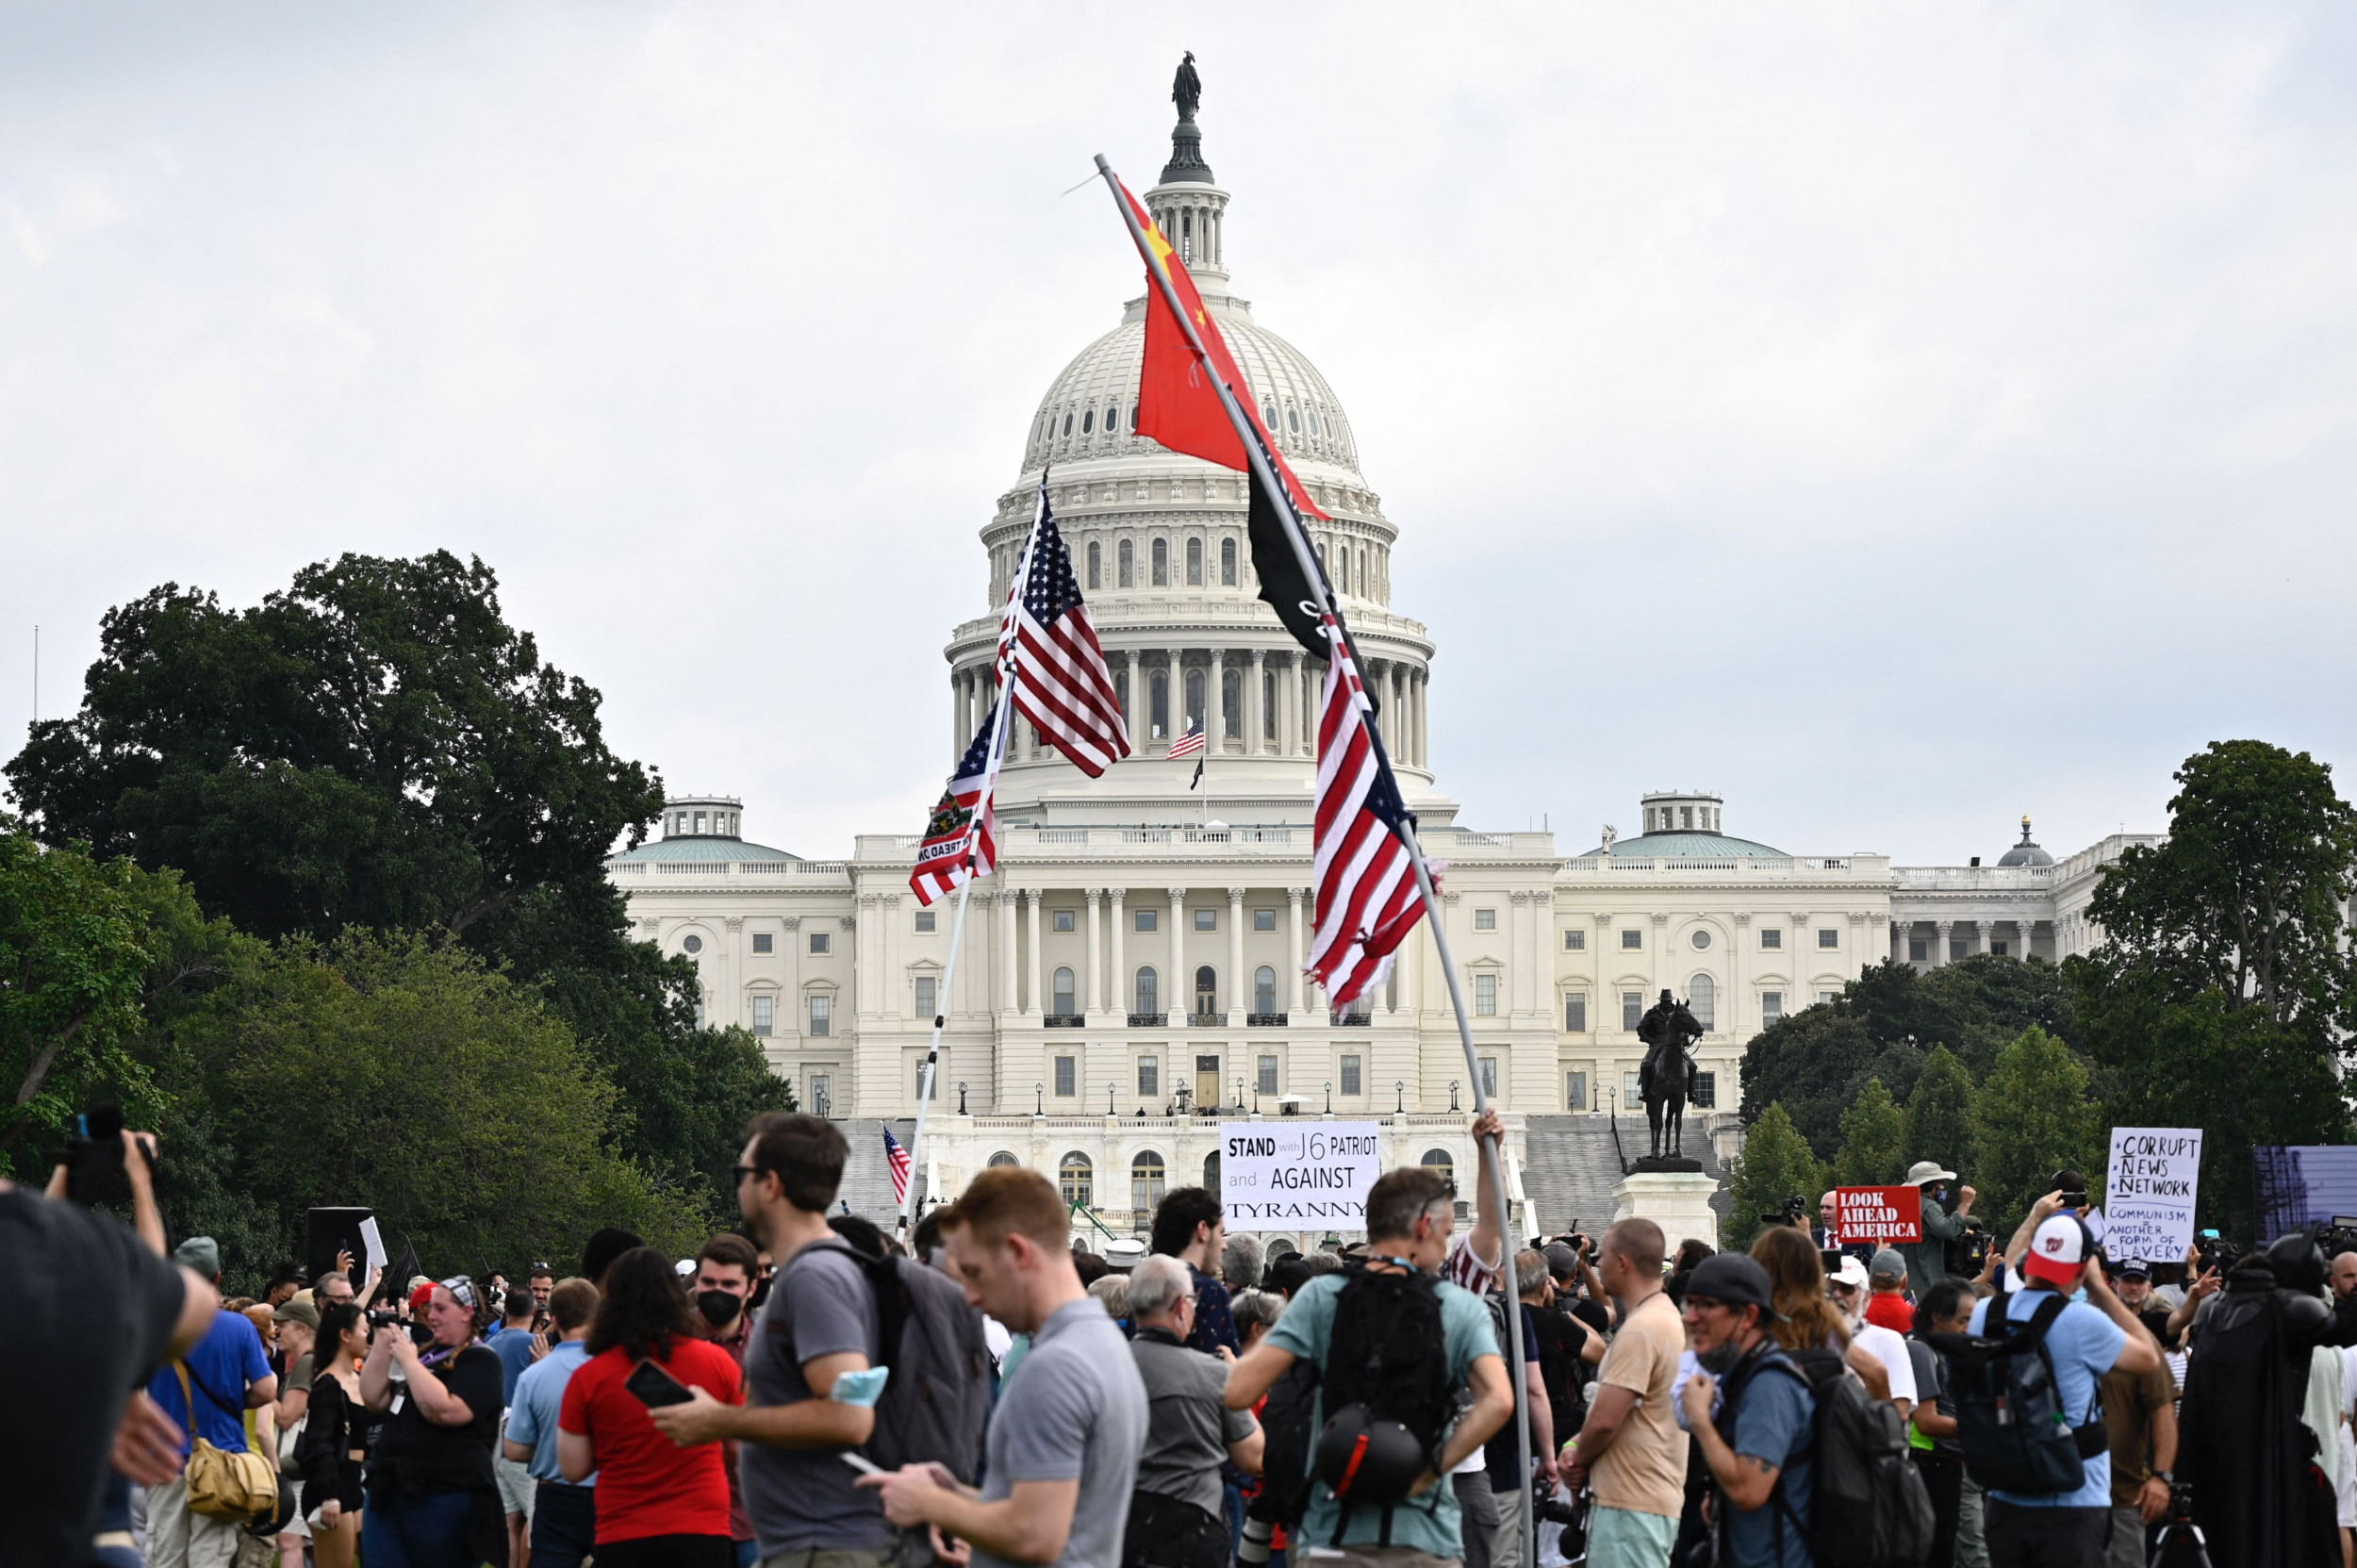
(1570, 1168)
(866, 1177)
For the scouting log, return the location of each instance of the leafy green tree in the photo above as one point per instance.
(1939, 1115)
(1873, 1139)
(373, 746)
(2222, 994)
(1885, 1024)
(1776, 1165)
(384, 1071)
(2034, 1115)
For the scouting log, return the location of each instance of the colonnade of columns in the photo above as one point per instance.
(1109, 946)
(1274, 715)
(1976, 935)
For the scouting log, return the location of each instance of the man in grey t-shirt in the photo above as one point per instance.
(1175, 1514)
(1062, 1450)
(820, 1323)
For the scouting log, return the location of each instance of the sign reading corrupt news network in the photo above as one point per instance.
(1293, 1175)
(1878, 1214)
(2155, 1175)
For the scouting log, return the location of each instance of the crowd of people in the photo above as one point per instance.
(809, 1392)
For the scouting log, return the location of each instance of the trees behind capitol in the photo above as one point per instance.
(374, 747)
(2222, 998)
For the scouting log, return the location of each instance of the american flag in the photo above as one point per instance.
(961, 837)
(898, 1158)
(1189, 744)
(1061, 683)
(1367, 897)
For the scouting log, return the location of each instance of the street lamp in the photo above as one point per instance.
(1240, 1091)
(961, 1096)
(1110, 1085)
(1040, 1106)
(1402, 1107)
(1452, 1094)
(1330, 1096)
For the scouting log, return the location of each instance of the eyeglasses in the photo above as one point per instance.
(739, 1173)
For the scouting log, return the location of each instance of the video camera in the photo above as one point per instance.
(2338, 1235)
(94, 1159)
(2215, 1251)
(1794, 1211)
(1969, 1252)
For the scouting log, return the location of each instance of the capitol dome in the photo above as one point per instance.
(2025, 853)
(1160, 547)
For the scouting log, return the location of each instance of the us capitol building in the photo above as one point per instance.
(1136, 959)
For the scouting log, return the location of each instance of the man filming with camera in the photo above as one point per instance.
(1944, 1220)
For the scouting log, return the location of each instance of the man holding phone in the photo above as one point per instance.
(819, 1324)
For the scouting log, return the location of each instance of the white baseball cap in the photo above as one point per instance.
(2058, 1250)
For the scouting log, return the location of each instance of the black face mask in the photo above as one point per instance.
(718, 1307)
(760, 1293)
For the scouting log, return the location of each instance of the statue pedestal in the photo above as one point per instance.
(1678, 1201)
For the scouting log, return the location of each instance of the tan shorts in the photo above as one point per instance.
(1374, 1557)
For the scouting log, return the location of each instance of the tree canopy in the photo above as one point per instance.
(2222, 994)
(2034, 1116)
(375, 747)
(1873, 1139)
(1884, 1025)
(1774, 1168)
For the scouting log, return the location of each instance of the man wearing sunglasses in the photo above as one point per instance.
(1755, 1439)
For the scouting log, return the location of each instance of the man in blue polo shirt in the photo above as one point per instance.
(2065, 1529)
(226, 1374)
(563, 1514)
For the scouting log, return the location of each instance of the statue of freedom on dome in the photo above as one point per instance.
(1186, 88)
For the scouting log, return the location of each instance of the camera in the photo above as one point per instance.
(2215, 1251)
(1794, 1211)
(1549, 1508)
(2337, 1236)
(1968, 1251)
(94, 1159)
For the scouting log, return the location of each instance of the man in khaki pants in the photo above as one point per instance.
(1631, 1452)
(227, 1374)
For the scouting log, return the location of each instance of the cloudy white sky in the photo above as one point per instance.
(1898, 418)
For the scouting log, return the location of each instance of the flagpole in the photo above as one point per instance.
(1003, 667)
(1315, 578)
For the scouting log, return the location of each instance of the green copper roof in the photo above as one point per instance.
(1688, 846)
(703, 848)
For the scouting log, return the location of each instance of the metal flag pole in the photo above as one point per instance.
(1324, 604)
(1003, 667)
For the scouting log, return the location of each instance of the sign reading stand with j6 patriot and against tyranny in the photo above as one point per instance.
(2156, 1176)
(1296, 1175)
(1881, 1216)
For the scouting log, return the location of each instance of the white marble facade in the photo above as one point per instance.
(1140, 943)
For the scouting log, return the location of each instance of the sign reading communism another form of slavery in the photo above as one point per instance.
(1289, 1175)
(1881, 1215)
(2155, 1176)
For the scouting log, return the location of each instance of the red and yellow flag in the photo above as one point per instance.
(1177, 405)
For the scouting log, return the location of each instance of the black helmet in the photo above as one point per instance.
(1366, 1458)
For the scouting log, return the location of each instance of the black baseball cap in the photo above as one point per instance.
(1735, 1278)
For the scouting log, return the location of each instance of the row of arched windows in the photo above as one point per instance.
(1146, 990)
(1125, 573)
(1320, 425)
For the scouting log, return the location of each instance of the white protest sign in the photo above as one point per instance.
(2155, 1175)
(1295, 1175)
(374, 1241)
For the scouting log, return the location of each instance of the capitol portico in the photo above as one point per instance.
(1137, 955)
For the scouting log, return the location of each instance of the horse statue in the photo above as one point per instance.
(1666, 1081)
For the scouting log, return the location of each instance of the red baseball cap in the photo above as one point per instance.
(422, 1297)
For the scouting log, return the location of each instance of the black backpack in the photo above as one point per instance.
(1287, 1432)
(1867, 1505)
(1387, 1353)
(936, 1403)
(2010, 1420)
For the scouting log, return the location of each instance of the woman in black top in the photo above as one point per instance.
(433, 1501)
(336, 1436)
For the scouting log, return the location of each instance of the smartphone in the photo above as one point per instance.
(859, 1462)
(654, 1388)
(2074, 1200)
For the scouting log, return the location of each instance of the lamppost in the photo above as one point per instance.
(1330, 1096)
(1039, 1106)
(1402, 1107)
(961, 1096)
(1452, 1094)
(1110, 1085)
(1240, 1091)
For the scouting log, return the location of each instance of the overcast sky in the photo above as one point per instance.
(1896, 417)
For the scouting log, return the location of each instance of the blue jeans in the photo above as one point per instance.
(564, 1524)
(426, 1531)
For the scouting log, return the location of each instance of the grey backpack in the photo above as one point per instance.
(936, 1403)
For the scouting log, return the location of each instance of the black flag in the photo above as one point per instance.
(1269, 522)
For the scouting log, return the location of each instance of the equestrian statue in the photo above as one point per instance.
(1666, 1081)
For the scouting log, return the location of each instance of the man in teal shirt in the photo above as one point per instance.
(1411, 1214)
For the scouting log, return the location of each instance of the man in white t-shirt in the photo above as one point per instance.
(1849, 1294)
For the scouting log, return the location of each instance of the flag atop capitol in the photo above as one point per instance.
(1132, 961)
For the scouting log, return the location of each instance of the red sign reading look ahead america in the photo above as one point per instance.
(1878, 1214)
